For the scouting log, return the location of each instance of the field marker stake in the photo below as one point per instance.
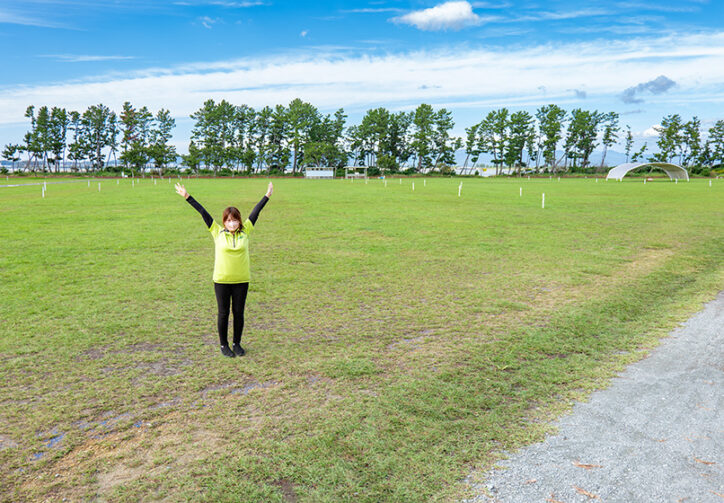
(42, 191)
(521, 192)
(400, 181)
(709, 183)
(559, 178)
(133, 183)
(543, 201)
(528, 177)
(385, 182)
(644, 181)
(676, 181)
(424, 182)
(154, 182)
(99, 186)
(460, 188)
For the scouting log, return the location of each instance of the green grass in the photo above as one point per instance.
(396, 340)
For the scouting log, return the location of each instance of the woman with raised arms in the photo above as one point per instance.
(231, 265)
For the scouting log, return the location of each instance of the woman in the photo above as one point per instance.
(231, 265)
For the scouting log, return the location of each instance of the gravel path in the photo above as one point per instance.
(655, 435)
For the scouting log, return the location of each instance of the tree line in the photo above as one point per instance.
(241, 139)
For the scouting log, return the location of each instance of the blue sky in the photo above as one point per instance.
(642, 59)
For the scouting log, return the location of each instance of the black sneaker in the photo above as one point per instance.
(239, 350)
(227, 352)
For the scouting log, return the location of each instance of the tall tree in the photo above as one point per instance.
(57, 135)
(210, 133)
(629, 142)
(582, 134)
(135, 131)
(78, 148)
(11, 153)
(669, 137)
(520, 129)
(261, 136)
(96, 120)
(716, 142)
(550, 125)
(301, 117)
(422, 136)
(159, 150)
(32, 143)
(444, 146)
(690, 147)
(610, 133)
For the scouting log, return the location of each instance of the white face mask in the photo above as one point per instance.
(231, 225)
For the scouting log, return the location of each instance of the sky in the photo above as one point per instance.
(643, 59)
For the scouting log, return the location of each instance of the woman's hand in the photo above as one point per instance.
(181, 191)
(269, 190)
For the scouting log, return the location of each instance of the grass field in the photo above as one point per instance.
(397, 340)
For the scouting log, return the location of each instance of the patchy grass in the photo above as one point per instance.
(396, 340)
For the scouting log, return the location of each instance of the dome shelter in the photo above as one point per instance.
(674, 171)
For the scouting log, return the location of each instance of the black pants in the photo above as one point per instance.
(236, 293)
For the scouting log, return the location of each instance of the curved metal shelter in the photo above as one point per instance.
(674, 171)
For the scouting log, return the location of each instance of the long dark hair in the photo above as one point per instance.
(233, 212)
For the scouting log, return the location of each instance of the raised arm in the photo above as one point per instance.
(257, 209)
(181, 190)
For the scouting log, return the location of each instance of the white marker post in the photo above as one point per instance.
(543, 201)
(45, 186)
(385, 182)
(400, 181)
(133, 183)
(424, 182)
(99, 186)
(413, 186)
(42, 192)
(644, 181)
(559, 178)
(460, 188)
(521, 192)
(154, 181)
(676, 181)
(709, 183)
(118, 181)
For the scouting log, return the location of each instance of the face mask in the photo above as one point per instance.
(232, 225)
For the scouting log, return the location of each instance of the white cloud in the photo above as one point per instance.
(448, 15)
(207, 22)
(457, 77)
(8, 17)
(651, 132)
(83, 58)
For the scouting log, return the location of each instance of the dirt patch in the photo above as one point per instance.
(163, 367)
(287, 488)
(122, 457)
(7, 443)
(409, 343)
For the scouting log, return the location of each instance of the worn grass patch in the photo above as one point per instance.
(396, 340)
